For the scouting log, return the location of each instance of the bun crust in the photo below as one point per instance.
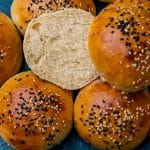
(135, 2)
(107, 1)
(10, 49)
(56, 48)
(23, 11)
(119, 44)
(34, 114)
(107, 119)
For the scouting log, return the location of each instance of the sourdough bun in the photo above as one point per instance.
(119, 44)
(10, 49)
(34, 114)
(23, 11)
(107, 119)
(56, 48)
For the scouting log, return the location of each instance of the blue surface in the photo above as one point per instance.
(73, 141)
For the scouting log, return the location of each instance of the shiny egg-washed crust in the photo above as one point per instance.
(107, 119)
(119, 44)
(23, 11)
(34, 114)
(10, 49)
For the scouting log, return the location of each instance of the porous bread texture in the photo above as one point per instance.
(56, 48)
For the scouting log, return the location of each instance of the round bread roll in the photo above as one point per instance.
(110, 120)
(56, 48)
(119, 44)
(34, 114)
(10, 49)
(23, 11)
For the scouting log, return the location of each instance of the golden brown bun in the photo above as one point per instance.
(10, 49)
(119, 44)
(107, 119)
(22, 11)
(34, 114)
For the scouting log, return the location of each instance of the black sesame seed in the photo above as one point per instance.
(22, 142)
(103, 101)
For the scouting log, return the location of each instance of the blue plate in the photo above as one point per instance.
(73, 141)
